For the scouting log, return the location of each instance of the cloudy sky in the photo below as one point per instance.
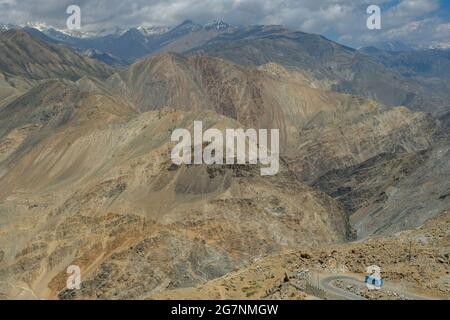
(420, 22)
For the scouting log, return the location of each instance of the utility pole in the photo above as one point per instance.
(318, 281)
(410, 247)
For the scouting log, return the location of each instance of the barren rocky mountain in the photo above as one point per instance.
(89, 181)
(425, 63)
(136, 43)
(110, 201)
(321, 130)
(26, 56)
(392, 192)
(393, 79)
(429, 67)
(25, 60)
(86, 177)
(337, 67)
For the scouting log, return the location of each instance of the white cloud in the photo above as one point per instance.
(405, 20)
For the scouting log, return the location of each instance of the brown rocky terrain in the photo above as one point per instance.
(323, 133)
(108, 199)
(86, 177)
(392, 192)
(33, 59)
(321, 130)
(413, 263)
(25, 60)
(334, 66)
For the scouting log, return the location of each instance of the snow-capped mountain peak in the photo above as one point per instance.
(48, 29)
(153, 31)
(41, 26)
(7, 26)
(218, 25)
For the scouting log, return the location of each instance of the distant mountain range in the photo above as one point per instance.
(64, 34)
(133, 43)
(427, 63)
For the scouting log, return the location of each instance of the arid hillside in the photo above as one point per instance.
(91, 183)
(414, 265)
(320, 129)
(86, 177)
(25, 60)
(337, 67)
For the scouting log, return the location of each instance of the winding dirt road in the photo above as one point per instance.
(328, 284)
